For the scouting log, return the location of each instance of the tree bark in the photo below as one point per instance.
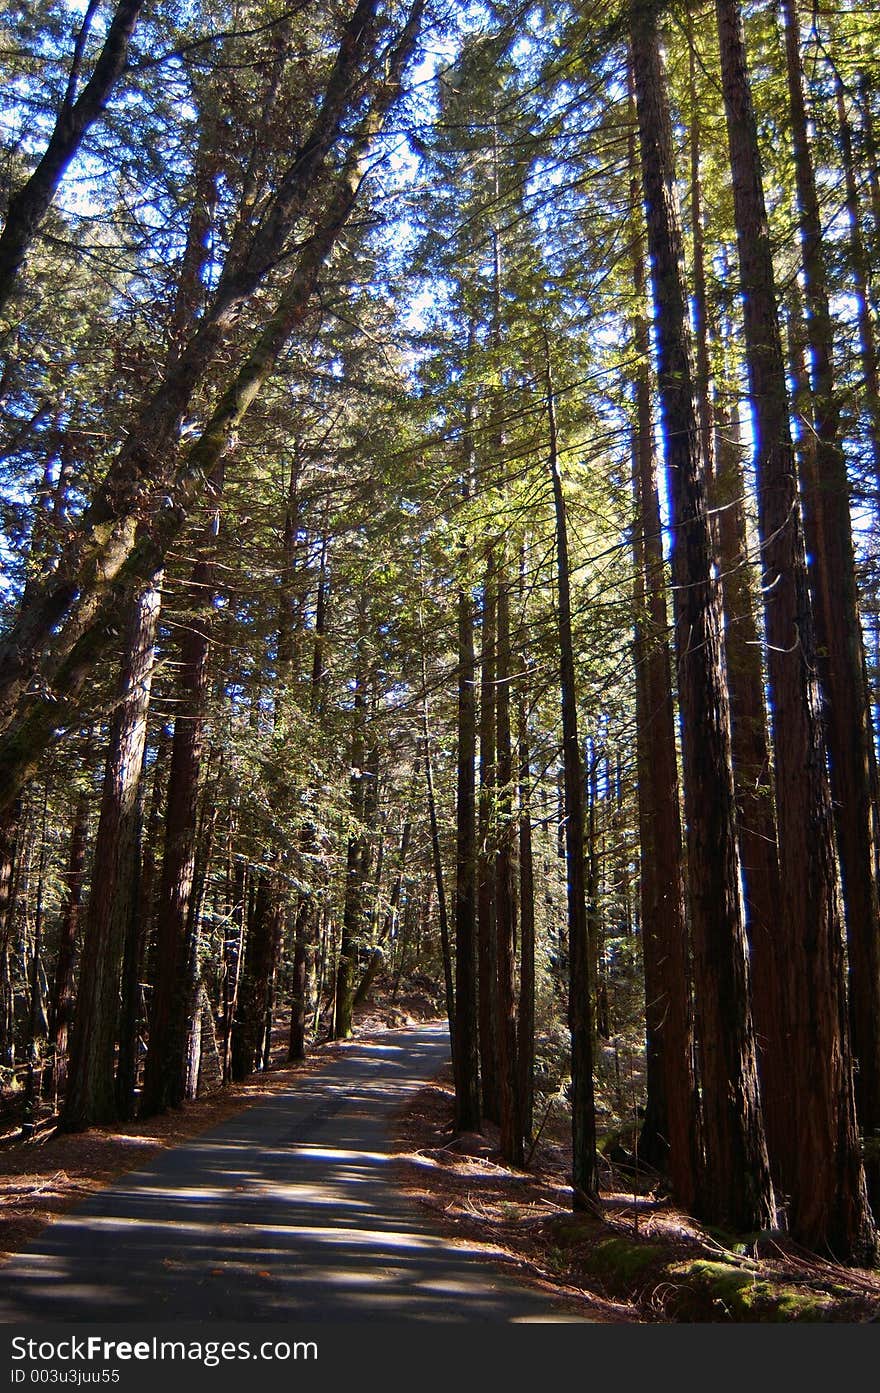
(735, 1186)
(670, 1135)
(352, 913)
(62, 1002)
(248, 1033)
(9, 823)
(299, 1004)
(840, 643)
(486, 903)
(825, 1180)
(585, 1177)
(466, 1049)
(756, 811)
(670, 1138)
(437, 864)
(510, 1103)
(165, 1068)
(859, 267)
(756, 817)
(525, 1016)
(91, 1096)
(36, 1021)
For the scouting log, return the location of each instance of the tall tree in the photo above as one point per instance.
(487, 949)
(736, 1187)
(467, 1017)
(61, 1006)
(176, 925)
(90, 1097)
(585, 1180)
(670, 1136)
(80, 107)
(510, 1102)
(752, 767)
(840, 645)
(354, 879)
(62, 624)
(825, 1181)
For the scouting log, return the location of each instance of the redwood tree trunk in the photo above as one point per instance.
(299, 1004)
(248, 1033)
(439, 883)
(352, 912)
(736, 1189)
(466, 1051)
(859, 269)
(755, 806)
(670, 1135)
(525, 1017)
(840, 644)
(91, 1095)
(165, 1069)
(486, 907)
(505, 923)
(825, 1179)
(9, 821)
(670, 1138)
(61, 1007)
(585, 1178)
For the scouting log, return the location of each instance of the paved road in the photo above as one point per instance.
(285, 1211)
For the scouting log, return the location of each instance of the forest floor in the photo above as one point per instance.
(639, 1261)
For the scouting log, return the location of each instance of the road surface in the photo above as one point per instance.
(286, 1211)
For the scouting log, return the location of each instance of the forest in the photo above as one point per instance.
(439, 519)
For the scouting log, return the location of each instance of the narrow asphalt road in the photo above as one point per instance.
(286, 1211)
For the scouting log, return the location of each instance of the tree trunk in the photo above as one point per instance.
(735, 1188)
(352, 913)
(276, 934)
(194, 986)
(486, 905)
(859, 267)
(585, 1178)
(670, 1135)
(825, 1179)
(510, 1109)
(525, 1016)
(299, 1004)
(248, 1032)
(756, 812)
(437, 864)
(233, 954)
(61, 1008)
(466, 1048)
(165, 1068)
(840, 644)
(91, 1096)
(9, 822)
(670, 1138)
(36, 1022)
(593, 887)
